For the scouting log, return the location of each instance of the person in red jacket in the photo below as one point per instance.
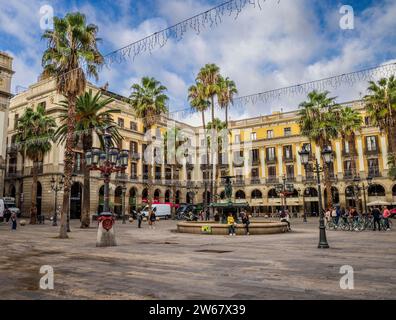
(385, 215)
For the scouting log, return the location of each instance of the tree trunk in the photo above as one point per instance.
(214, 156)
(33, 207)
(85, 216)
(68, 166)
(205, 199)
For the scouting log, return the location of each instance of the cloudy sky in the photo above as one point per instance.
(286, 42)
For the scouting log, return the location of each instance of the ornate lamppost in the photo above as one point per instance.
(56, 186)
(284, 190)
(107, 162)
(327, 155)
(363, 188)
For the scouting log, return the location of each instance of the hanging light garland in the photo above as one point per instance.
(208, 19)
(331, 83)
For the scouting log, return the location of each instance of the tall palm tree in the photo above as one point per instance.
(35, 134)
(92, 115)
(218, 126)
(381, 108)
(199, 102)
(72, 47)
(149, 101)
(318, 122)
(227, 90)
(209, 76)
(349, 121)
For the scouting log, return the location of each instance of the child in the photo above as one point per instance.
(231, 224)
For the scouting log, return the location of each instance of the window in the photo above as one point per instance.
(42, 104)
(255, 155)
(348, 168)
(158, 173)
(121, 122)
(237, 138)
(189, 175)
(307, 147)
(272, 172)
(346, 147)
(373, 168)
(371, 143)
(367, 121)
(133, 147)
(271, 153)
(290, 172)
(133, 170)
(287, 131)
(77, 162)
(270, 134)
(253, 136)
(16, 121)
(133, 126)
(288, 152)
(255, 173)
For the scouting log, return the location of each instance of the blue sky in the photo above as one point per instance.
(283, 44)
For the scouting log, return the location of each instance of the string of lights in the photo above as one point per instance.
(330, 83)
(208, 19)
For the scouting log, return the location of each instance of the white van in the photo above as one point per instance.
(162, 210)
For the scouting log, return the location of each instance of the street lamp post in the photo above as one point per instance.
(327, 155)
(56, 186)
(363, 188)
(284, 189)
(123, 202)
(107, 162)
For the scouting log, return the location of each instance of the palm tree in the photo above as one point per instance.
(72, 44)
(149, 101)
(200, 103)
(318, 122)
(227, 90)
(381, 108)
(218, 126)
(35, 134)
(349, 121)
(92, 116)
(209, 76)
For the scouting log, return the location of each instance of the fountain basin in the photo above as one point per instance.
(216, 228)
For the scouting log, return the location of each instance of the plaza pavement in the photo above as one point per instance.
(161, 264)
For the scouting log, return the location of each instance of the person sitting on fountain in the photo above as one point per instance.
(231, 224)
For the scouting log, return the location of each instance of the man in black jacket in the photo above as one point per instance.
(377, 218)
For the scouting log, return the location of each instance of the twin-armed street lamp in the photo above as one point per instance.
(358, 188)
(327, 155)
(107, 162)
(56, 186)
(284, 190)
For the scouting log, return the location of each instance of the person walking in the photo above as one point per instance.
(13, 221)
(231, 224)
(246, 221)
(385, 215)
(376, 213)
(152, 218)
(207, 215)
(140, 219)
(338, 215)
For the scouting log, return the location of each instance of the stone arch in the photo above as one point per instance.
(376, 190)
(272, 194)
(311, 192)
(157, 195)
(168, 194)
(256, 194)
(240, 194)
(394, 191)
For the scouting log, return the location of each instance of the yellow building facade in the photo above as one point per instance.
(262, 153)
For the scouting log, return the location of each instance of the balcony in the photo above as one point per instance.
(290, 179)
(190, 166)
(14, 174)
(135, 156)
(239, 182)
(255, 180)
(238, 162)
(374, 172)
(255, 162)
(349, 175)
(270, 160)
(205, 166)
(372, 152)
(272, 179)
(309, 179)
(134, 177)
(289, 159)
